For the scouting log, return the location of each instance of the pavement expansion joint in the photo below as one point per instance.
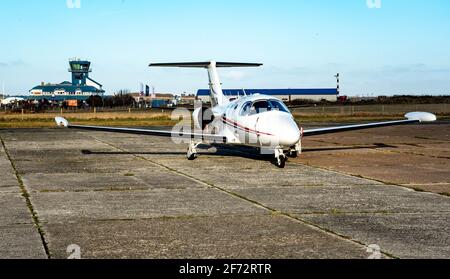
(26, 195)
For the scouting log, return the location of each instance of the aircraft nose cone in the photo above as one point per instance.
(282, 128)
(290, 135)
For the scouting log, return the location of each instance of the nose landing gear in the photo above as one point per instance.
(281, 161)
(280, 158)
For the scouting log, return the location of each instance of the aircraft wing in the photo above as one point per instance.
(413, 117)
(157, 133)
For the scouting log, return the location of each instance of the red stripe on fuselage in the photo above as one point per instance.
(235, 124)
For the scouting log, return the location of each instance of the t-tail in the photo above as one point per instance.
(215, 86)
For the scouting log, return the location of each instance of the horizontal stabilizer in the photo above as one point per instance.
(215, 86)
(205, 64)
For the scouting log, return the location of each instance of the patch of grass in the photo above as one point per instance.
(46, 120)
(95, 122)
(304, 118)
(276, 213)
(335, 211)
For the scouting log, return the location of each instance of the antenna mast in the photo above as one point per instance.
(338, 79)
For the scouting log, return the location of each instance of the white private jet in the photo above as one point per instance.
(258, 120)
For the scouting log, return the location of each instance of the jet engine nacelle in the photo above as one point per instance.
(202, 117)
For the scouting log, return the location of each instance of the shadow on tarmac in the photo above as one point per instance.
(235, 151)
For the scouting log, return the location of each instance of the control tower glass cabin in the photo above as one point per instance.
(80, 72)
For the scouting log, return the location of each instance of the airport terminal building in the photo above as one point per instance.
(65, 90)
(286, 95)
(81, 88)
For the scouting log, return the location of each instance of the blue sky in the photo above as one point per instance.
(402, 47)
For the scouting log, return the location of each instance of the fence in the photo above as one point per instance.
(442, 109)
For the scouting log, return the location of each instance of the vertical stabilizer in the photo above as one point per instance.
(215, 86)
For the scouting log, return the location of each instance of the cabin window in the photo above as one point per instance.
(246, 109)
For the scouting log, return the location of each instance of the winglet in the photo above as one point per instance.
(61, 122)
(421, 116)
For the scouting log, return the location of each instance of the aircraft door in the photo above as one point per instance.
(258, 136)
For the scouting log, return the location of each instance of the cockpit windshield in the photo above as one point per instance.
(261, 106)
(277, 105)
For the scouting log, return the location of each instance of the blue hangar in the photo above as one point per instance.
(81, 88)
(286, 95)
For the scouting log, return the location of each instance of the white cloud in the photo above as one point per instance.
(14, 63)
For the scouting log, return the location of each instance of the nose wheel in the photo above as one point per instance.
(281, 161)
(280, 158)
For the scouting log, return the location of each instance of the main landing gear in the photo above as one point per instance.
(292, 154)
(295, 150)
(192, 150)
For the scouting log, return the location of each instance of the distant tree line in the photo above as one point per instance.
(111, 101)
(381, 100)
(121, 98)
(406, 100)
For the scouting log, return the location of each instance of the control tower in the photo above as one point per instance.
(80, 73)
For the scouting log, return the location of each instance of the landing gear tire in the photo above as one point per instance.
(293, 154)
(280, 158)
(191, 156)
(192, 151)
(281, 161)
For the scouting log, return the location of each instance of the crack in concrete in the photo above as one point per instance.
(27, 196)
(371, 213)
(44, 191)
